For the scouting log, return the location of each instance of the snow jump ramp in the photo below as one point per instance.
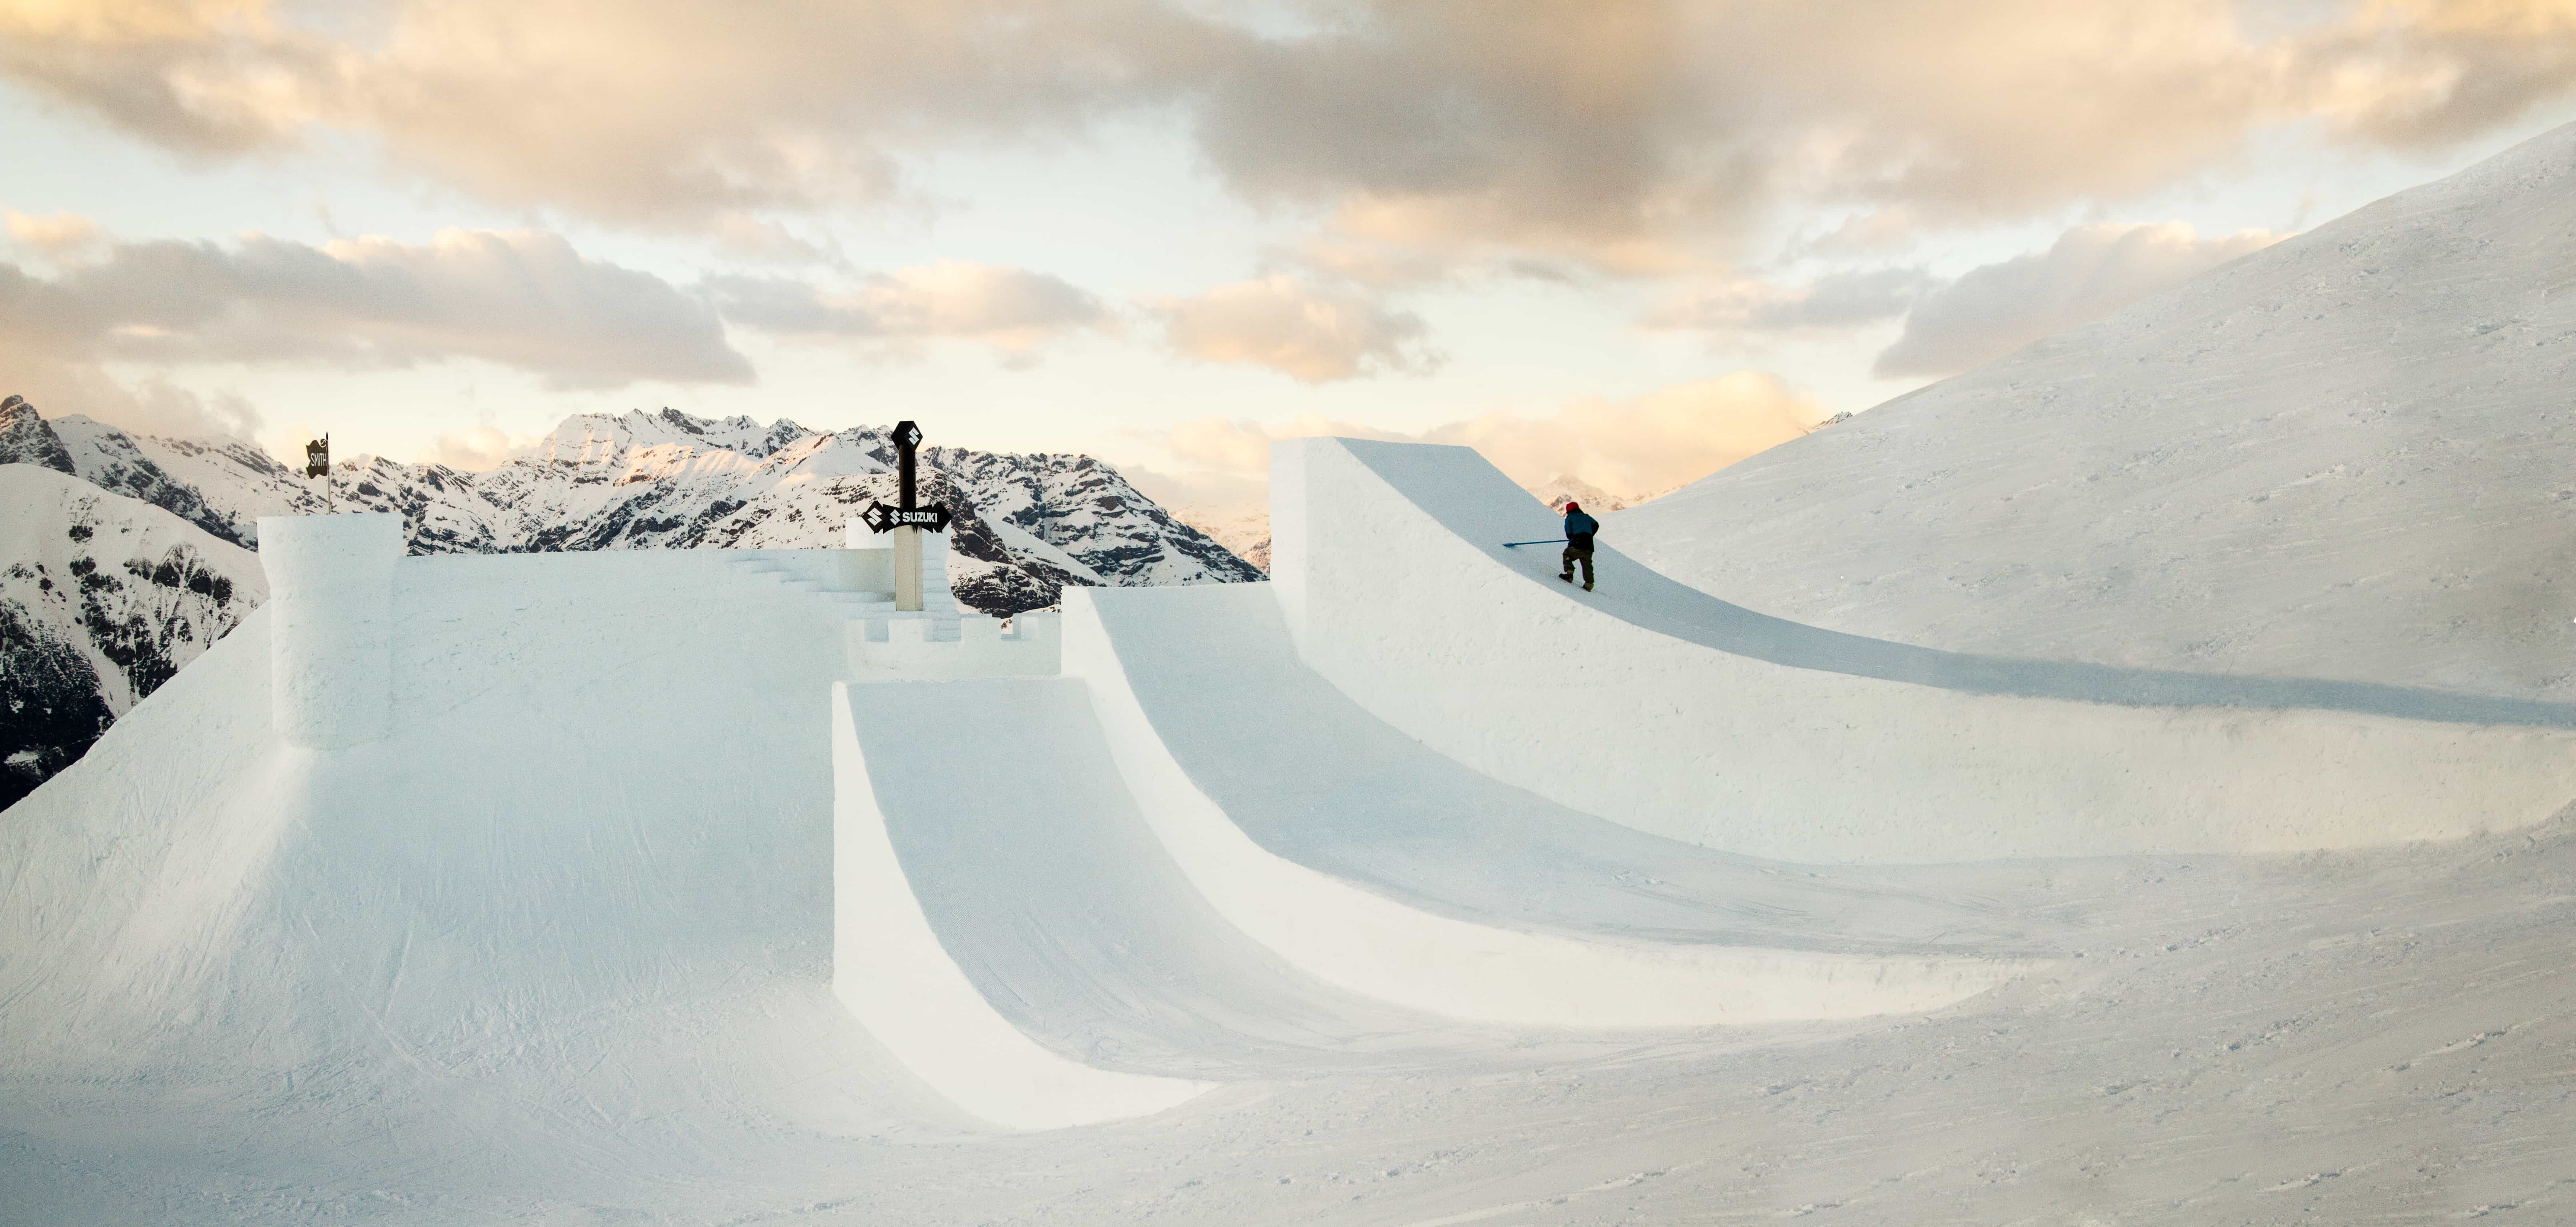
(1656, 705)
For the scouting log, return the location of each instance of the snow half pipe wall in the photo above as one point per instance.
(888, 965)
(1491, 967)
(1659, 706)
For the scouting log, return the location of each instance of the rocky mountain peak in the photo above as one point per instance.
(1565, 488)
(25, 438)
(605, 438)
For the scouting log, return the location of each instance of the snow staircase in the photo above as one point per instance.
(882, 642)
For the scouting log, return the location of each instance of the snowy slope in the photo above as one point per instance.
(102, 600)
(2345, 456)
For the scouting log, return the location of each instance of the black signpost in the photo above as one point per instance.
(317, 463)
(881, 518)
(909, 516)
(907, 437)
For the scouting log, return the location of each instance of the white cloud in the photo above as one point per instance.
(2089, 273)
(1832, 303)
(57, 234)
(523, 299)
(1633, 447)
(1308, 332)
(1219, 495)
(762, 240)
(1628, 136)
(1011, 309)
(154, 406)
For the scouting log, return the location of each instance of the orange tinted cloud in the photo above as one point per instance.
(1625, 137)
(1632, 447)
(1308, 332)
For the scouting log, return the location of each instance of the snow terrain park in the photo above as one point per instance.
(2126, 783)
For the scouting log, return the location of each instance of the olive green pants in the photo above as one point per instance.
(1574, 554)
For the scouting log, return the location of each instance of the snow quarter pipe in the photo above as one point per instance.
(1653, 704)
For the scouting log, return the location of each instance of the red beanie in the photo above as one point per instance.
(1571, 505)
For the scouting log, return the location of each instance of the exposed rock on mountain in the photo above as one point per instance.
(102, 599)
(25, 438)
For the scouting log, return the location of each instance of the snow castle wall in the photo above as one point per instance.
(330, 584)
(1658, 706)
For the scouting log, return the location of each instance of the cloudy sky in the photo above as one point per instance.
(1628, 240)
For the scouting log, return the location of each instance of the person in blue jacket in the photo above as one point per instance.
(1578, 543)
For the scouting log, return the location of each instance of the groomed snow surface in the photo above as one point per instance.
(637, 914)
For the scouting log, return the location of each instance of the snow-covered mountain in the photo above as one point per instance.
(1242, 530)
(1026, 524)
(1563, 489)
(2348, 455)
(125, 554)
(102, 599)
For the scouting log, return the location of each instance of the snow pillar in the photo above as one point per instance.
(330, 631)
(1289, 538)
(928, 566)
(866, 562)
(907, 569)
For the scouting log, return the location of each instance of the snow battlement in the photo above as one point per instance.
(942, 640)
(969, 645)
